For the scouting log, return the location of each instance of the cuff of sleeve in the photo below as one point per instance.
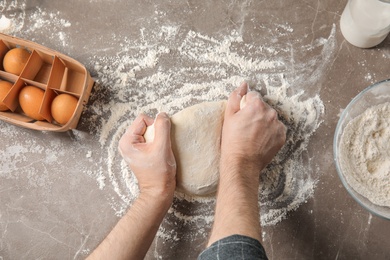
(234, 247)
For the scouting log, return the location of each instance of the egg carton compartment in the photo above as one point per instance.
(38, 67)
(3, 50)
(73, 79)
(8, 77)
(53, 83)
(5, 47)
(52, 72)
(11, 100)
(8, 102)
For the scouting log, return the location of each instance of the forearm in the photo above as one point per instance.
(134, 233)
(237, 210)
(251, 136)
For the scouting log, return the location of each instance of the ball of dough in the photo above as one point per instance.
(196, 143)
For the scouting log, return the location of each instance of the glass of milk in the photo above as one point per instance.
(365, 23)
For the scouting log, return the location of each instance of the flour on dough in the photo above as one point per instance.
(196, 142)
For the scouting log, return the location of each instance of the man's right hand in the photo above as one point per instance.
(251, 136)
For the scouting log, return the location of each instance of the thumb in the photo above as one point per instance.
(162, 129)
(235, 97)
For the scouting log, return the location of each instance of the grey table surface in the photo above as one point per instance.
(59, 192)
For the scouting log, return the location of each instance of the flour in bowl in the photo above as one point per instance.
(365, 154)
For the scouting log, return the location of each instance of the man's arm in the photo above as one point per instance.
(155, 168)
(250, 139)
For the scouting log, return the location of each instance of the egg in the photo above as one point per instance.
(30, 100)
(63, 107)
(5, 87)
(15, 60)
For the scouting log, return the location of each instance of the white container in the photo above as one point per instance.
(365, 23)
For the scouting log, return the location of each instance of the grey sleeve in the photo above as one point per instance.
(234, 247)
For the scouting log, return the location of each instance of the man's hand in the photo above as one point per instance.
(251, 135)
(153, 163)
(155, 168)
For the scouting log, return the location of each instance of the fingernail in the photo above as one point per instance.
(247, 86)
(243, 84)
(162, 114)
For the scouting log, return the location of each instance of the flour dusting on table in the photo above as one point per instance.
(208, 69)
(169, 68)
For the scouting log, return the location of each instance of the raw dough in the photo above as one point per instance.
(196, 143)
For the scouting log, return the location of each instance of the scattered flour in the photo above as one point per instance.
(365, 154)
(13, 20)
(368, 77)
(207, 68)
(5, 24)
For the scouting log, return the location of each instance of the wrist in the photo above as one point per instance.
(240, 165)
(160, 197)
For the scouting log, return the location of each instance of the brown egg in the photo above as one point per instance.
(5, 87)
(63, 107)
(30, 100)
(15, 60)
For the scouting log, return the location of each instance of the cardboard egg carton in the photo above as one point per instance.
(50, 71)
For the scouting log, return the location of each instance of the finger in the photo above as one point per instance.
(255, 101)
(138, 127)
(134, 134)
(162, 129)
(235, 97)
(243, 102)
(253, 95)
(284, 132)
(149, 120)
